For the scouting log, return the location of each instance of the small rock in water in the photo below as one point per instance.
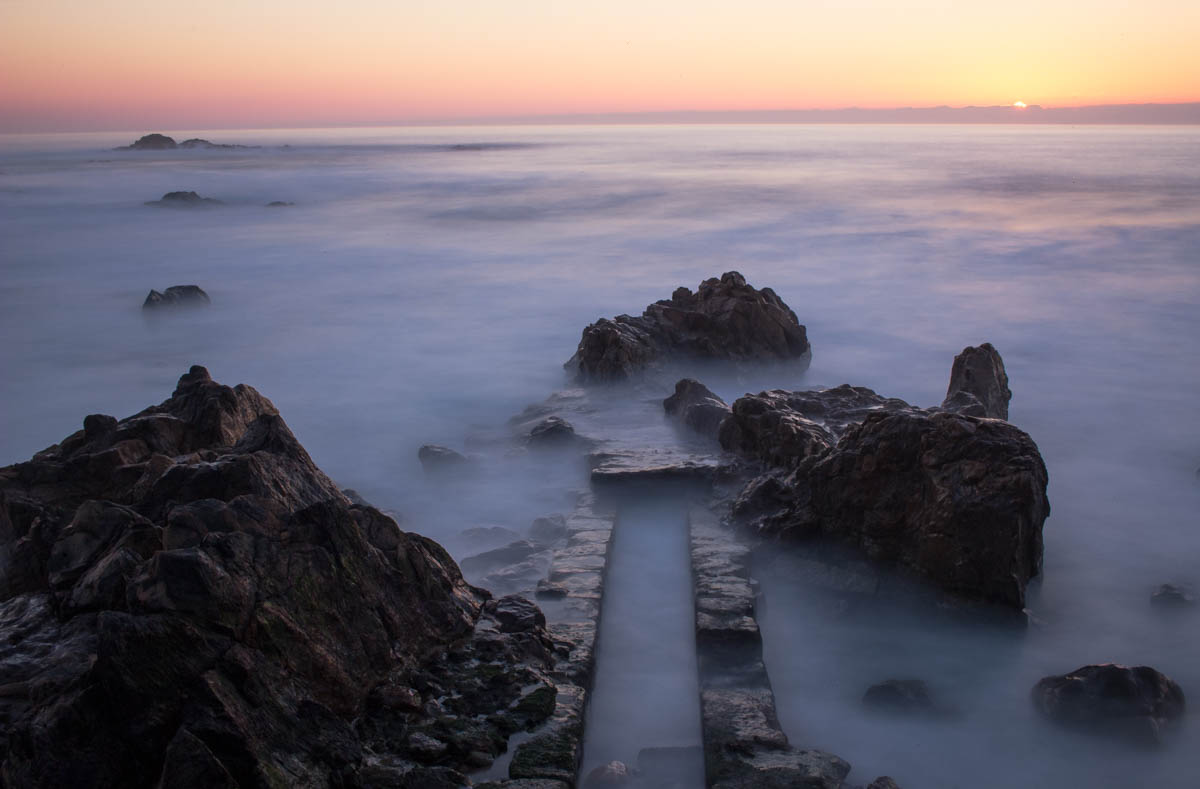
(1173, 596)
(548, 529)
(606, 775)
(900, 696)
(437, 459)
(185, 200)
(279, 204)
(1134, 704)
(697, 407)
(553, 432)
(177, 296)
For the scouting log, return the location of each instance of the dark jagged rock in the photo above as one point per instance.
(185, 200)
(697, 407)
(187, 600)
(151, 142)
(726, 320)
(900, 696)
(177, 296)
(1135, 704)
(279, 204)
(956, 499)
(436, 459)
(978, 384)
(883, 782)
(1173, 596)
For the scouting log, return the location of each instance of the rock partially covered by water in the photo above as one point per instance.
(185, 200)
(978, 384)
(726, 319)
(186, 598)
(1173, 596)
(1134, 704)
(439, 460)
(697, 407)
(957, 499)
(900, 697)
(177, 296)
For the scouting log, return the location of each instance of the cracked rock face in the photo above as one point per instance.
(725, 319)
(186, 598)
(955, 498)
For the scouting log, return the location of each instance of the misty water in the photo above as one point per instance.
(428, 284)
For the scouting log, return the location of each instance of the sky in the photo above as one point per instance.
(171, 64)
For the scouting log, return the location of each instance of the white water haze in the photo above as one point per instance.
(428, 283)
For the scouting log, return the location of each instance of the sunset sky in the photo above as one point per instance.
(139, 64)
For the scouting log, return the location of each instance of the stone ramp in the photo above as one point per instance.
(744, 745)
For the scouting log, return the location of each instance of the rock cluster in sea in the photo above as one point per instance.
(161, 142)
(725, 319)
(177, 296)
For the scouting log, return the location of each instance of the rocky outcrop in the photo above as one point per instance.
(151, 142)
(185, 200)
(177, 296)
(697, 407)
(1135, 704)
(725, 319)
(440, 460)
(978, 384)
(186, 600)
(959, 500)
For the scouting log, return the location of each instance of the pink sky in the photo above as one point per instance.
(125, 64)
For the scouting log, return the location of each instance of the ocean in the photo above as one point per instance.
(428, 283)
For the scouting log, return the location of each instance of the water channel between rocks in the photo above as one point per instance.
(644, 709)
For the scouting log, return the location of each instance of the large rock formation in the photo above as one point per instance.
(954, 498)
(1135, 704)
(725, 319)
(187, 601)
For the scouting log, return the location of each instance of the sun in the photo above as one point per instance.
(1020, 105)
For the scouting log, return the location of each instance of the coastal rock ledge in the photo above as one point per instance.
(186, 600)
(725, 319)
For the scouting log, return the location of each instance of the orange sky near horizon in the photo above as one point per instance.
(134, 64)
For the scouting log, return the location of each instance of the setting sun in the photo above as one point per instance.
(1019, 105)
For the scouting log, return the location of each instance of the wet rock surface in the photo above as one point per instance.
(1135, 704)
(697, 407)
(185, 597)
(177, 296)
(725, 319)
(956, 499)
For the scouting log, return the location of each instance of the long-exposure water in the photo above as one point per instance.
(427, 283)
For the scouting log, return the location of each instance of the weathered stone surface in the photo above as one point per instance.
(1135, 704)
(548, 529)
(978, 384)
(651, 465)
(697, 407)
(553, 432)
(177, 296)
(500, 557)
(956, 499)
(516, 614)
(726, 319)
(185, 200)
(186, 598)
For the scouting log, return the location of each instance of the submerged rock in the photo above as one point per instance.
(978, 384)
(437, 459)
(553, 432)
(900, 697)
(613, 774)
(1135, 704)
(186, 598)
(1173, 596)
(697, 407)
(177, 296)
(185, 200)
(726, 319)
(956, 499)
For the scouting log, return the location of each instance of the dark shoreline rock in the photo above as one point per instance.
(186, 598)
(697, 406)
(726, 320)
